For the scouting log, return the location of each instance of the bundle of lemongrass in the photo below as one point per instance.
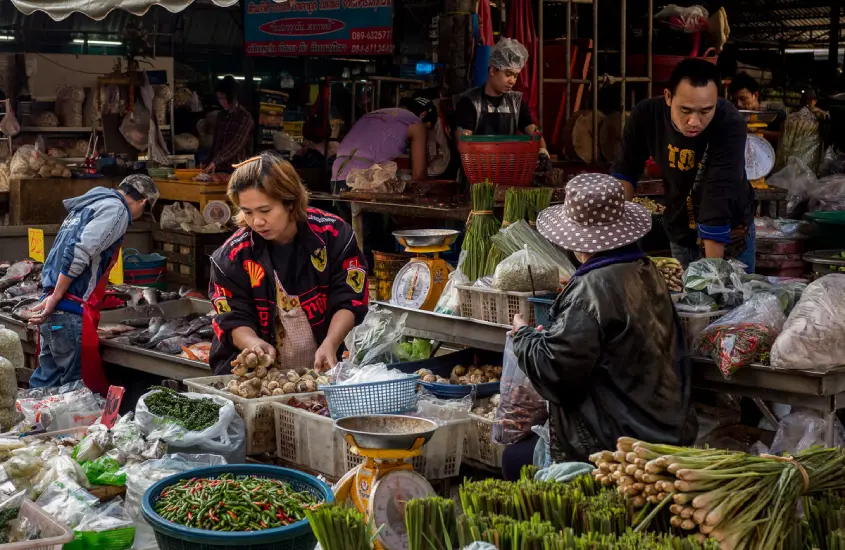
(481, 226)
(824, 514)
(431, 524)
(340, 528)
(742, 501)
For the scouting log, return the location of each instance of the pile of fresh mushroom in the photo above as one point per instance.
(462, 375)
(256, 378)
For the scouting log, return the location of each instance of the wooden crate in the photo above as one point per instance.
(38, 201)
(771, 202)
(187, 256)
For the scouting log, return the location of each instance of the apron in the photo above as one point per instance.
(93, 375)
(295, 343)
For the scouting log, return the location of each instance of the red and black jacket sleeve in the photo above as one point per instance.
(349, 287)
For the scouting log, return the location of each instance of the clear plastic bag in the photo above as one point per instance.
(9, 125)
(717, 278)
(226, 437)
(745, 335)
(449, 302)
(833, 162)
(803, 429)
(691, 20)
(801, 139)
(141, 477)
(436, 408)
(60, 467)
(797, 178)
(376, 339)
(829, 195)
(526, 271)
(346, 373)
(520, 234)
(520, 406)
(812, 336)
(10, 508)
(697, 302)
(66, 501)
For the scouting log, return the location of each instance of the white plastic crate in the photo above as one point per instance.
(54, 535)
(309, 440)
(497, 306)
(481, 448)
(693, 324)
(441, 456)
(257, 413)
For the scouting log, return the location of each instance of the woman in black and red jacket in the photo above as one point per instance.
(292, 281)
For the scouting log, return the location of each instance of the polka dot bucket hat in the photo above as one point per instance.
(594, 217)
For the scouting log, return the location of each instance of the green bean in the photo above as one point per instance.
(229, 503)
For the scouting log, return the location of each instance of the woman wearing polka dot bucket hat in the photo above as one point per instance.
(612, 362)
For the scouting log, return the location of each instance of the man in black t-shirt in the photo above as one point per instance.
(698, 140)
(495, 109)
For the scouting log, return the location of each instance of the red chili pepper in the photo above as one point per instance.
(262, 524)
(233, 515)
(190, 516)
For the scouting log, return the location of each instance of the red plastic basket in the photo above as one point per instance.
(505, 160)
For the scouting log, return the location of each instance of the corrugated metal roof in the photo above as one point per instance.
(784, 22)
(199, 25)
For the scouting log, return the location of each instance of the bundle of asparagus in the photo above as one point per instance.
(579, 504)
(481, 227)
(725, 495)
(340, 528)
(430, 523)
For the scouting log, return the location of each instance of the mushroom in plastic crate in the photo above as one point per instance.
(308, 440)
(257, 412)
(441, 457)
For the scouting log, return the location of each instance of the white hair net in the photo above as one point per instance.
(508, 54)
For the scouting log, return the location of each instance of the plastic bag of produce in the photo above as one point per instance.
(142, 476)
(10, 508)
(812, 336)
(9, 125)
(697, 302)
(801, 138)
(745, 335)
(60, 408)
(520, 406)
(376, 339)
(829, 195)
(449, 302)
(797, 178)
(802, 429)
(60, 467)
(717, 278)
(66, 501)
(106, 527)
(519, 234)
(104, 471)
(218, 428)
(526, 271)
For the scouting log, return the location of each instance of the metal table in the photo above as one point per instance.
(153, 362)
(823, 391)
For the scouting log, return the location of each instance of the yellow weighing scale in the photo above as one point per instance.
(382, 485)
(420, 282)
(759, 153)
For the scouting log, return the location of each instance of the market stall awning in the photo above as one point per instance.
(99, 9)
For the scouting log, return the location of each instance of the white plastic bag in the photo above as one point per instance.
(226, 437)
(829, 195)
(376, 339)
(9, 125)
(801, 430)
(520, 406)
(813, 336)
(526, 271)
(449, 302)
(797, 178)
(67, 502)
(345, 373)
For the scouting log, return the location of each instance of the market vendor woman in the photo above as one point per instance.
(291, 282)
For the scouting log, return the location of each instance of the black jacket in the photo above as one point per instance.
(612, 363)
(329, 271)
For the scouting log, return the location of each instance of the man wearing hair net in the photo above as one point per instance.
(495, 108)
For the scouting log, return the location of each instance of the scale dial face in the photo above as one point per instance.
(759, 157)
(387, 505)
(412, 285)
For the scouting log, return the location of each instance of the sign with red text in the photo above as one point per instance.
(318, 27)
(113, 399)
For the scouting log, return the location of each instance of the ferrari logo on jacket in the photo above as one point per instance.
(221, 305)
(318, 259)
(355, 278)
(255, 272)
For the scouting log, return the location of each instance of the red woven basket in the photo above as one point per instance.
(505, 160)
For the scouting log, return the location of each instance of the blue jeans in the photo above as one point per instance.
(60, 360)
(687, 255)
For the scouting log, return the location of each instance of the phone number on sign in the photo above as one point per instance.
(372, 35)
(371, 48)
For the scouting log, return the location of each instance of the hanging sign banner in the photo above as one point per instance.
(318, 27)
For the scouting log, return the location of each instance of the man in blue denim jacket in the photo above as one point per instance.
(74, 279)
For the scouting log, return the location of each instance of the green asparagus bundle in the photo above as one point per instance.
(481, 227)
(431, 524)
(824, 514)
(725, 495)
(517, 203)
(340, 528)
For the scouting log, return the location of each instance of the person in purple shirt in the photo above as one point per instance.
(385, 134)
